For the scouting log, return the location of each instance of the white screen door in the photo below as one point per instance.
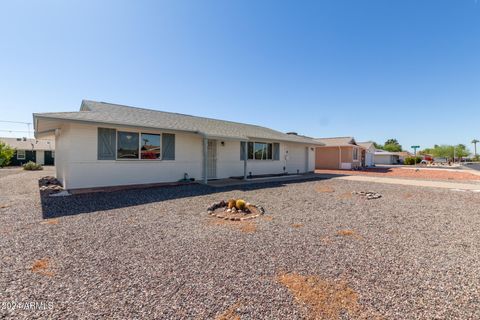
(212, 159)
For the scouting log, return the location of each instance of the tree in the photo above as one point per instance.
(6, 153)
(475, 141)
(448, 151)
(392, 145)
(377, 146)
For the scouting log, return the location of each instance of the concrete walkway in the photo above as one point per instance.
(411, 182)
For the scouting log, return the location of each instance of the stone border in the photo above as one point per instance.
(255, 210)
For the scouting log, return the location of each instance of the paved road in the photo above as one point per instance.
(474, 166)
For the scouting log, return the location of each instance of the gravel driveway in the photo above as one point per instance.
(154, 253)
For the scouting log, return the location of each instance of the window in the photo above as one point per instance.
(355, 153)
(20, 154)
(127, 145)
(53, 154)
(260, 151)
(150, 146)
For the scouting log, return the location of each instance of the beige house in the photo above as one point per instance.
(339, 153)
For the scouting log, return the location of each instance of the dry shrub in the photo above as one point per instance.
(324, 299)
(50, 221)
(230, 313)
(297, 225)
(42, 267)
(324, 189)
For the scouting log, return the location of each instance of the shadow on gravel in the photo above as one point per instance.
(54, 207)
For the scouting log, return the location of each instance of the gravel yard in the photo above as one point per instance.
(318, 252)
(422, 173)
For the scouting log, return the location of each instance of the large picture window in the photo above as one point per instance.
(260, 151)
(150, 146)
(127, 145)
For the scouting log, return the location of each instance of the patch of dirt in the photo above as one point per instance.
(246, 226)
(42, 267)
(324, 189)
(50, 221)
(266, 218)
(297, 225)
(3, 206)
(326, 240)
(230, 313)
(407, 195)
(349, 233)
(346, 195)
(325, 299)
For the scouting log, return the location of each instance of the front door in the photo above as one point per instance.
(40, 157)
(212, 159)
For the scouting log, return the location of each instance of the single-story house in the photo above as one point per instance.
(402, 155)
(39, 151)
(386, 157)
(369, 147)
(107, 144)
(339, 153)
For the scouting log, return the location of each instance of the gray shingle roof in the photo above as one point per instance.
(338, 141)
(109, 113)
(29, 144)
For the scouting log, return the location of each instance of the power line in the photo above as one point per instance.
(14, 131)
(15, 122)
(27, 123)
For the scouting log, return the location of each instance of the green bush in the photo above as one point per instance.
(6, 153)
(411, 160)
(30, 165)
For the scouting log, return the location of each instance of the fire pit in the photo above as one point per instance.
(235, 209)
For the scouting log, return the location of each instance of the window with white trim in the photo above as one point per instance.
(355, 153)
(150, 146)
(260, 151)
(128, 145)
(21, 155)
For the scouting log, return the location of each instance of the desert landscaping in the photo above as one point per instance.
(321, 250)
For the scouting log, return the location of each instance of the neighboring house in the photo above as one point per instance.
(339, 153)
(107, 144)
(402, 155)
(369, 147)
(39, 151)
(386, 157)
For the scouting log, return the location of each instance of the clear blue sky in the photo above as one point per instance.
(374, 69)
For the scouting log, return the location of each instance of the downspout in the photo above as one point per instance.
(339, 157)
(205, 160)
(245, 153)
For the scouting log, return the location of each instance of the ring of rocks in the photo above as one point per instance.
(218, 210)
(369, 195)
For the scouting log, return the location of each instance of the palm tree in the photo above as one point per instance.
(475, 141)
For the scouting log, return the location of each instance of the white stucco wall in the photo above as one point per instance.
(384, 159)
(230, 165)
(77, 165)
(85, 171)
